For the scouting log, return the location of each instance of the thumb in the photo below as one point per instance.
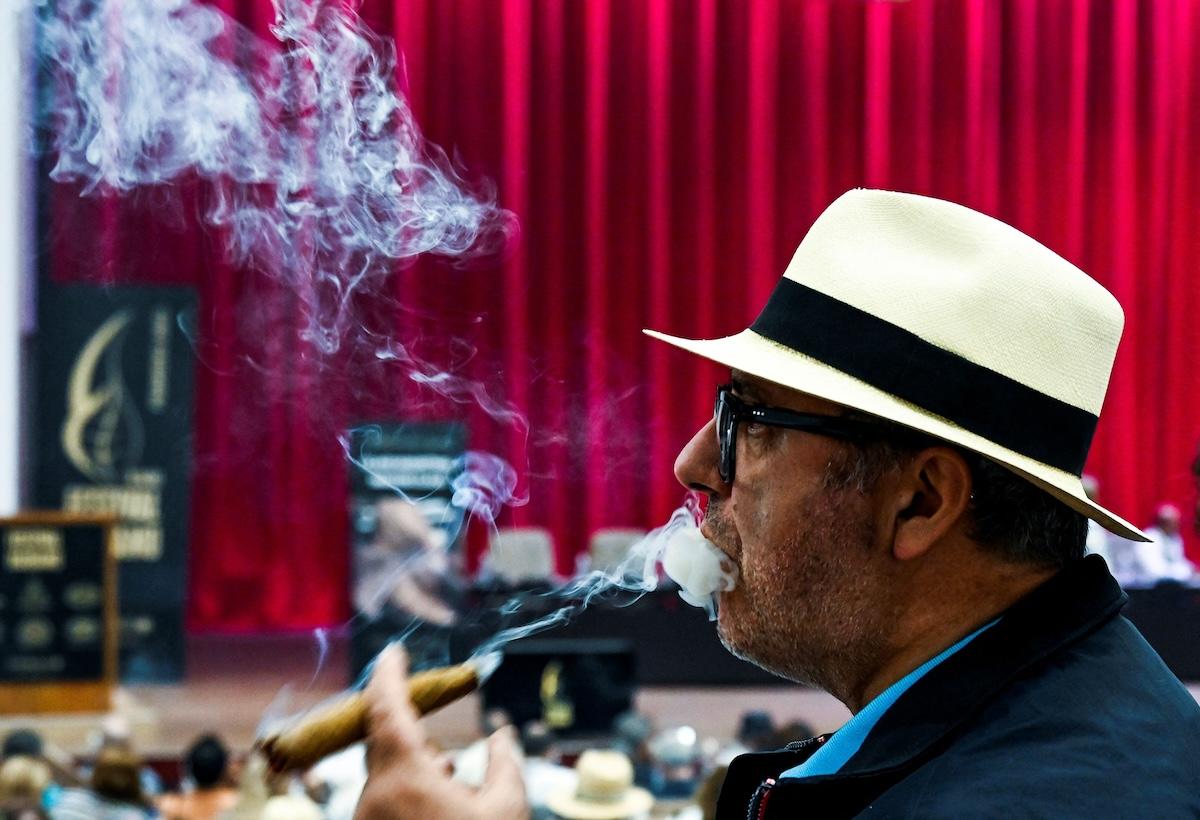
(503, 786)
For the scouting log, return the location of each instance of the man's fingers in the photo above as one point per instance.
(503, 787)
(391, 718)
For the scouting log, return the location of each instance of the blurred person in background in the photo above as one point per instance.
(543, 774)
(115, 731)
(633, 731)
(678, 763)
(405, 567)
(207, 790)
(756, 729)
(23, 783)
(1162, 558)
(23, 743)
(257, 785)
(115, 791)
(755, 732)
(28, 743)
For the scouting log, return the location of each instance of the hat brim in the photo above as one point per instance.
(758, 356)
(566, 805)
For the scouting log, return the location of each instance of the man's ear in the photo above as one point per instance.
(932, 494)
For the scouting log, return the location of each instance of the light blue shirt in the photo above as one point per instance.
(842, 745)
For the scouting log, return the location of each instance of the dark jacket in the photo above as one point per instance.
(1061, 709)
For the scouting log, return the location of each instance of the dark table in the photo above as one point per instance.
(1168, 615)
(675, 644)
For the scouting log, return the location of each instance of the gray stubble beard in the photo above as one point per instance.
(853, 635)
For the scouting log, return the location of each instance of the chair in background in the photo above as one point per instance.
(520, 555)
(609, 547)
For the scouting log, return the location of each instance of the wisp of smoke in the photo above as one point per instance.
(318, 169)
(483, 484)
(460, 391)
(640, 572)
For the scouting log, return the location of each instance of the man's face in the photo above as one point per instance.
(1169, 523)
(813, 599)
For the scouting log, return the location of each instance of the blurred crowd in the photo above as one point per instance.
(637, 771)
(113, 782)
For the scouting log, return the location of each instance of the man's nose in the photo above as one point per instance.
(696, 464)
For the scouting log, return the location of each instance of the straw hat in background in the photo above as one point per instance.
(290, 807)
(23, 776)
(949, 322)
(604, 791)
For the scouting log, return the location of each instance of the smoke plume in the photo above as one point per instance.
(318, 170)
(317, 174)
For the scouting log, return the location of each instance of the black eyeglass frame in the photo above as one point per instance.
(729, 411)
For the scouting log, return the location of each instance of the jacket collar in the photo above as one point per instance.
(1069, 605)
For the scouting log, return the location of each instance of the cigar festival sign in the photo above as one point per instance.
(115, 436)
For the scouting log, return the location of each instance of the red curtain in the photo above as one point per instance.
(664, 159)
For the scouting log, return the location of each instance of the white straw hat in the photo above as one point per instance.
(604, 791)
(947, 321)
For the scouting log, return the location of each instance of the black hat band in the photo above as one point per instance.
(897, 361)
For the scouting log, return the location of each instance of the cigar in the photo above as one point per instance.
(342, 722)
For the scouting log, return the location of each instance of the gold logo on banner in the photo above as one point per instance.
(101, 426)
(557, 711)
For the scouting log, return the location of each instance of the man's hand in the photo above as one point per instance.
(406, 778)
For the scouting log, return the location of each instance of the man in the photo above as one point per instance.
(206, 765)
(1162, 557)
(895, 469)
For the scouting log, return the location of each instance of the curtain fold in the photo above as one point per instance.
(664, 158)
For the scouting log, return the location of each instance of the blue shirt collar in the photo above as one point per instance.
(843, 744)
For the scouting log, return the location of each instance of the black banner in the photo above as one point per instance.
(114, 410)
(53, 590)
(405, 529)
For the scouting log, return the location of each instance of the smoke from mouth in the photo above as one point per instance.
(641, 571)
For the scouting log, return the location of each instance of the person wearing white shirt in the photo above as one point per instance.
(1162, 558)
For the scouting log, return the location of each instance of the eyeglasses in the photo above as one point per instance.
(730, 410)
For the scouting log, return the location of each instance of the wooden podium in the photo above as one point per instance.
(58, 613)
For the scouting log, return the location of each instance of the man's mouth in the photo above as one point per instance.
(708, 535)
